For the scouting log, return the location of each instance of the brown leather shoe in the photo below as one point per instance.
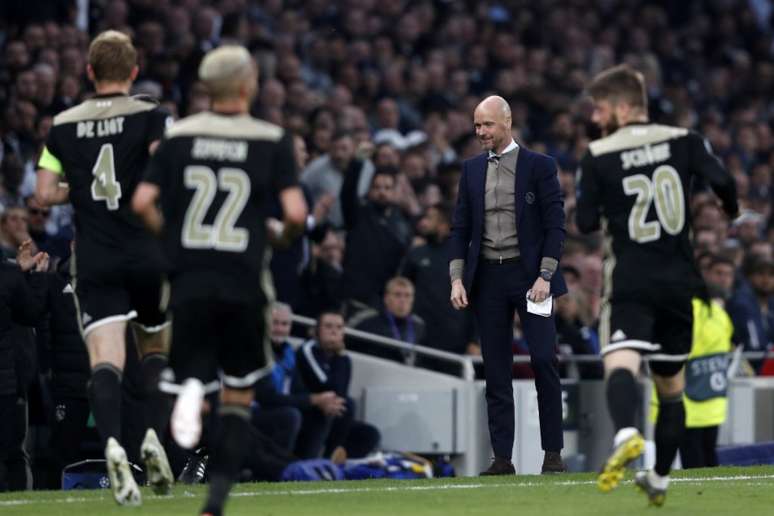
(552, 463)
(499, 466)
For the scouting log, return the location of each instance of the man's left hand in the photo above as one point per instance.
(539, 291)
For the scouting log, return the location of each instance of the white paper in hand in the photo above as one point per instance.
(542, 309)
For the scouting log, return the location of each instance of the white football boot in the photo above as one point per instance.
(125, 490)
(186, 421)
(157, 469)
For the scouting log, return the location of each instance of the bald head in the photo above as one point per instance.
(229, 72)
(496, 105)
(492, 121)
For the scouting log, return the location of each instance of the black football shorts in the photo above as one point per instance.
(220, 339)
(120, 295)
(658, 322)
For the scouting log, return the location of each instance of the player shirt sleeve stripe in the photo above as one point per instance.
(50, 162)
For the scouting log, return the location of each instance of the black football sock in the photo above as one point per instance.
(670, 427)
(158, 405)
(104, 390)
(622, 398)
(228, 454)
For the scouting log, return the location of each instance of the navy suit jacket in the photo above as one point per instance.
(539, 215)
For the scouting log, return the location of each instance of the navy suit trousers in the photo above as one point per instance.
(498, 291)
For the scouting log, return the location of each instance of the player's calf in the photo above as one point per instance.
(670, 428)
(104, 391)
(227, 457)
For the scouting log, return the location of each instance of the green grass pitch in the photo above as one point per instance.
(721, 491)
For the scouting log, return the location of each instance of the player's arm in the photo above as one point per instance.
(50, 187)
(148, 191)
(160, 121)
(144, 205)
(290, 195)
(587, 196)
(294, 211)
(711, 169)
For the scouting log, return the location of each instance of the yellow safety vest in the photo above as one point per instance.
(706, 385)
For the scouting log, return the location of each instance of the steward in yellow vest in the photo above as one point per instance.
(706, 384)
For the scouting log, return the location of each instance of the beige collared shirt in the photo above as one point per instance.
(500, 236)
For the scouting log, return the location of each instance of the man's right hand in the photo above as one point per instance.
(329, 403)
(459, 298)
(322, 207)
(28, 257)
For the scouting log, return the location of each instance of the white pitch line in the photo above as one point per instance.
(722, 479)
(357, 490)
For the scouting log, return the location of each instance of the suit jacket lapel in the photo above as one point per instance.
(523, 171)
(479, 184)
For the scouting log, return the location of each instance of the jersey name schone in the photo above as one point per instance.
(638, 181)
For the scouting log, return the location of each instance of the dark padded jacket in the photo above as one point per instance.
(21, 303)
(66, 351)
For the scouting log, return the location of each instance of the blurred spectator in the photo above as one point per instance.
(591, 282)
(748, 228)
(327, 173)
(38, 215)
(705, 240)
(427, 265)
(287, 264)
(14, 230)
(69, 372)
(22, 304)
(708, 215)
(378, 236)
(283, 404)
(571, 277)
(752, 306)
(579, 337)
(325, 366)
(396, 321)
(321, 279)
(719, 278)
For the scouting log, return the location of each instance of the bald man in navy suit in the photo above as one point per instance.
(506, 240)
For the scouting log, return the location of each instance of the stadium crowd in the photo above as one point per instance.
(379, 96)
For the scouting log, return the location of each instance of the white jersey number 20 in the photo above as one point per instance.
(666, 192)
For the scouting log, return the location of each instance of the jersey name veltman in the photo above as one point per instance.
(219, 150)
(100, 128)
(646, 155)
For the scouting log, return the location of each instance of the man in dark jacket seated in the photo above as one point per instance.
(282, 401)
(325, 366)
(396, 321)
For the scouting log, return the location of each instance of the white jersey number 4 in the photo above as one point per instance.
(104, 187)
